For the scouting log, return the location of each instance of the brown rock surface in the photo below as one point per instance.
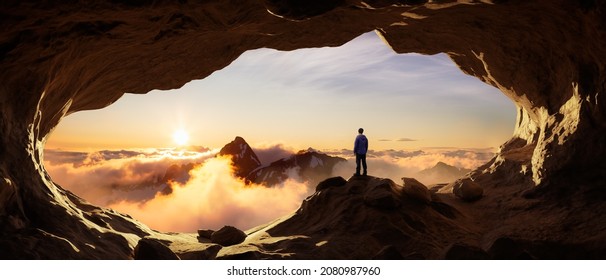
(466, 189)
(416, 190)
(547, 56)
(151, 249)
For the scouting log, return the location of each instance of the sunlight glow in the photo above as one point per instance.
(180, 137)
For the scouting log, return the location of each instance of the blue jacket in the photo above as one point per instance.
(361, 145)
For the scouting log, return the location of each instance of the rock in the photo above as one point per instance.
(383, 196)
(436, 187)
(205, 233)
(228, 236)
(152, 249)
(467, 190)
(505, 248)
(460, 251)
(331, 182)
(389, 252)
(416, 190)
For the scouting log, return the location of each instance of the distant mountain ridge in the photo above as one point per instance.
(306, 165)
(309, 165)
(441, 173)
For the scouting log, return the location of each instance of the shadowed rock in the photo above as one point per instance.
(331, 182)
(383, 196)
(416, 190)
(505, 248)
(205, 233)
(465, 252)
(467, 190)
(151, 249)
(228, 236)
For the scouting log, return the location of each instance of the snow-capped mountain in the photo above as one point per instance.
(307, 165)
(242, 155)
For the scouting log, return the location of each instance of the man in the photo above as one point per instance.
(360, 149)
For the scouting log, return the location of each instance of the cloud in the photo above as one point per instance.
(395, 164)
(213, 198)
(270, 153)
(102, 177)
(182, 190)
(407, 140)
(61, 157)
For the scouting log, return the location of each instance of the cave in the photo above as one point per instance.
(543, 193)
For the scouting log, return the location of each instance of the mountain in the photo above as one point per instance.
(441, 173)
(307, 165)
(176, 173)
(242, 155)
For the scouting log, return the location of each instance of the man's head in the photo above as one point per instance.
(361, 130)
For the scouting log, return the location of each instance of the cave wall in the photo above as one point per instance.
(548, 57)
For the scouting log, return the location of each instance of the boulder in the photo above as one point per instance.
(228, 236)
(152, 249)
(331, 182)
(416, 190)
(467, 190)
(205, 233)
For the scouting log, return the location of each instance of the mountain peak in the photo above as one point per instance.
(239, 139)
(308, 150)
(441, 173)
(442, 164)
(242, 155)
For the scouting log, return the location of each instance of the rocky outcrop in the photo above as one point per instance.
(547, 56)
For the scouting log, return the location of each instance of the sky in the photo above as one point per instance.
(315, 97)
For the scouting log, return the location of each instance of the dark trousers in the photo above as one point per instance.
(360, 158)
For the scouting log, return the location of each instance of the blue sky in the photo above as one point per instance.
(308, 98)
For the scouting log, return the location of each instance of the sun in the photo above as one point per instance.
(180, 137)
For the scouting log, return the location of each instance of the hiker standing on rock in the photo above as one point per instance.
(360, 149)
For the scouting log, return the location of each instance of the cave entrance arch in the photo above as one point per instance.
(418, 111)
(547, 56)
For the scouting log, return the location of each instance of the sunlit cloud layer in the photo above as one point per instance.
(213, 198)
(209, 195)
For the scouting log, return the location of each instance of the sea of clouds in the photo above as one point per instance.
(210, 196)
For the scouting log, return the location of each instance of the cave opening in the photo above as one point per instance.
(417, 110)
(543, 192)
